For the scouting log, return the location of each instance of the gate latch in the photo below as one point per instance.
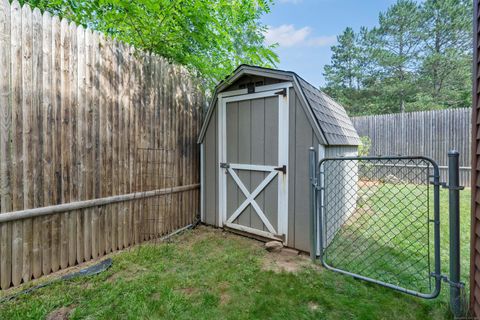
(224, 165)
(283, 169)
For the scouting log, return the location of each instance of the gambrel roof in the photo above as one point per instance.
(327, 117)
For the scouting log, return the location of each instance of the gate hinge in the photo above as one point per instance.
(315, 184)
(446, 186)
(445, 279)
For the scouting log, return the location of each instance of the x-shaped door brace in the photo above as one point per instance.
(250, 198)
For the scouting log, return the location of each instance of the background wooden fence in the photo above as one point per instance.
(83, 117)
(426, 133)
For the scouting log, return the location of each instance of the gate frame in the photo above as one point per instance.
(316, 221)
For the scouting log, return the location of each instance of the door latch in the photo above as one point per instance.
(224, 165)
(283, 169)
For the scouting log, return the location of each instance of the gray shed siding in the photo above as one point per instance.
(340, 189)
(340, 151)
(301, 137)
(252, 135)
(211, 173)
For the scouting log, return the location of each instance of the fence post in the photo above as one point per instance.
(313, 206)
(454, 223)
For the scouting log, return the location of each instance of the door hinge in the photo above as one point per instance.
(283, 169)
(224, 165)
(282, 92)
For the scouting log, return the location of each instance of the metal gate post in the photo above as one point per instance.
(454, 221)
(313, 207)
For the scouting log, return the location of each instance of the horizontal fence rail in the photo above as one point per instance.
(97, 145)
(78, 205)
(428, 133)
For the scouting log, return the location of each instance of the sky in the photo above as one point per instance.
(306, 29)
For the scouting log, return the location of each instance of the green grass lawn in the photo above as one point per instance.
(390, 237)
(209, 274)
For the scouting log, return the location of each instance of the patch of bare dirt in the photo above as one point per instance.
(61, 314)
(285, 261)
(87, 285)
(199, 234)
(224, 295)
(207, 233)
(312, 306)
(189, 291)
(224, 298)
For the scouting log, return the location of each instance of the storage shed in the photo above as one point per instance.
(254, 152)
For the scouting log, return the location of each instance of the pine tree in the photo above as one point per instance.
(344, 68)
(398, 40)
(446, 61)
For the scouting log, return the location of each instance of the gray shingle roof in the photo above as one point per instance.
(331, 116)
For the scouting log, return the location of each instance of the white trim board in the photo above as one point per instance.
(264, 88)
(250, 198)
(222, 155)
(283, 142)
(282, 179)
(258, 232)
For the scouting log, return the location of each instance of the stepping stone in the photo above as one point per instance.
(273, 246)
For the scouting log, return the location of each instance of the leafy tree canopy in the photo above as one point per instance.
(210, 36)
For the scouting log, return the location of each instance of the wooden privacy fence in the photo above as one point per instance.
(427, 133)
(97, 145)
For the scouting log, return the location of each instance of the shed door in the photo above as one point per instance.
(254, 170)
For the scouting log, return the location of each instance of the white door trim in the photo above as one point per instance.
(259, 232)
(283, 125)
(251, 167)
(222, 156)
(268, 87)
(250, 198)
(283, 141)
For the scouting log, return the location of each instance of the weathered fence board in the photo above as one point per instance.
(5, 151)
(76, 111)
(426, 133)
(17, 140)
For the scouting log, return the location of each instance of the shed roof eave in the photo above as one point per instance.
(319, 108)
(239, 72)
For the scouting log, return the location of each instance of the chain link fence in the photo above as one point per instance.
(377, 220)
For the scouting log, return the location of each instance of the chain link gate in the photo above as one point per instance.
(377, 219)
